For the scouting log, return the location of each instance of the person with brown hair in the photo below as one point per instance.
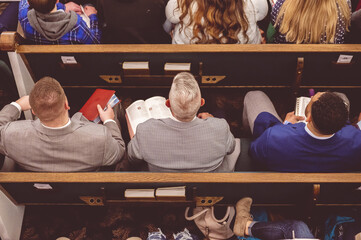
(215, 21)
(310, 21)
(54, 142)
(51, 22)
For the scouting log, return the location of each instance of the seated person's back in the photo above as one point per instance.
(213, 21)
(183, 143)
(54, 142)
(309, 21)
(50, 22)
(325, 144)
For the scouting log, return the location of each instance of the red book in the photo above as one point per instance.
(101, 97)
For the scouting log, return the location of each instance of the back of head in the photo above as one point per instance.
(185, 97)
(312, 21)
(42, 6)
(215, 21)
(329, 113)
(47, 99)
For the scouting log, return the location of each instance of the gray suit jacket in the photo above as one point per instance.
(171, 146)
(81, 146)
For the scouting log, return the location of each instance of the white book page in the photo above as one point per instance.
(157, 108)
(85, 17)
(137, 113)
(301, 104)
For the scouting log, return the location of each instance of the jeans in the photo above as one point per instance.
(184, 235)
(279, 230)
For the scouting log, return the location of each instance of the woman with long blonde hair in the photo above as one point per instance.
(311, 21)
(215, 21)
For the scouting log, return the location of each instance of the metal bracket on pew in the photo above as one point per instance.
(212, 79)
(93, 200)
(299, 72)
(111, 78)
(207, 201)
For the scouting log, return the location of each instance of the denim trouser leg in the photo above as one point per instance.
(280, 230)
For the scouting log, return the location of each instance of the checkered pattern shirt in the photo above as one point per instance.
(80, 33)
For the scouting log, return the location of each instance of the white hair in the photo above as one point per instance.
(185, 96)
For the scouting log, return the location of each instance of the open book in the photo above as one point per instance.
(140, 111)
(301, 104)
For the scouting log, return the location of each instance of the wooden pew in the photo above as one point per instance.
(293, 67)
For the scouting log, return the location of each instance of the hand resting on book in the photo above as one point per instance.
(107, 114)
(292, 118)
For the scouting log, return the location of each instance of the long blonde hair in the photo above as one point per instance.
(215, 21)
(312, 21)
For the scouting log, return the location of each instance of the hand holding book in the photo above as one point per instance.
(292, 118)
(106, 114)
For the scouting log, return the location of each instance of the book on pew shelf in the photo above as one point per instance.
(142, 110)
(102, 97)
(300, 108)
(171, 193)
(173, 68)
(139, 193)
(136, 68)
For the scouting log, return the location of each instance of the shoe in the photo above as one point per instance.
(159, 235)
(184, 235)
(243, 208)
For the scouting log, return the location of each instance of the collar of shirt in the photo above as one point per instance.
(56, 128)
(173, 118)
(316, 137)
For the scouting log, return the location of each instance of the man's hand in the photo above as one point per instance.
(292, 118)
(89, 10)
(71, 6)
(107, 114)
(24, 103)
(204, 115)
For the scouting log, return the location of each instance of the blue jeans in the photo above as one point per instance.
(279, 230)
(184, 235)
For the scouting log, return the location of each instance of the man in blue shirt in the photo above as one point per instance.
(326, 143)
(50, 22)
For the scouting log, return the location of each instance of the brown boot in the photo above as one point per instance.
(243, 215)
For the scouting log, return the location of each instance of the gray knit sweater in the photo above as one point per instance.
(171, 146)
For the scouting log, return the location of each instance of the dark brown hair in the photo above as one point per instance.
(42, 6)
(329, 113)
(47, 99)
(215, 21)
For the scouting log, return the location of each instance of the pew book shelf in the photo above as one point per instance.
(226, 67)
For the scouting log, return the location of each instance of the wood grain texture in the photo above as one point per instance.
(142, 177)
(202, 48)
(9, 41)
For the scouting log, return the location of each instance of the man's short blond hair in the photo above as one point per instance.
(185, 96)
(47, 99)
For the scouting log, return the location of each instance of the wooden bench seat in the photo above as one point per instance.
(289, 67)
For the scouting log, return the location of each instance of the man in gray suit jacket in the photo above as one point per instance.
(185, 142)
(54, 142)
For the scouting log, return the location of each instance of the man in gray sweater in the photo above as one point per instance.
(184, 142)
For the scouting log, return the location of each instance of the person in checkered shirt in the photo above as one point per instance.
(51, 22)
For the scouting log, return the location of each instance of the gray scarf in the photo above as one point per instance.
(52, 25)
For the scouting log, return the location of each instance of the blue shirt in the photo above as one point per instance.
(289, 148)
(80, 33)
